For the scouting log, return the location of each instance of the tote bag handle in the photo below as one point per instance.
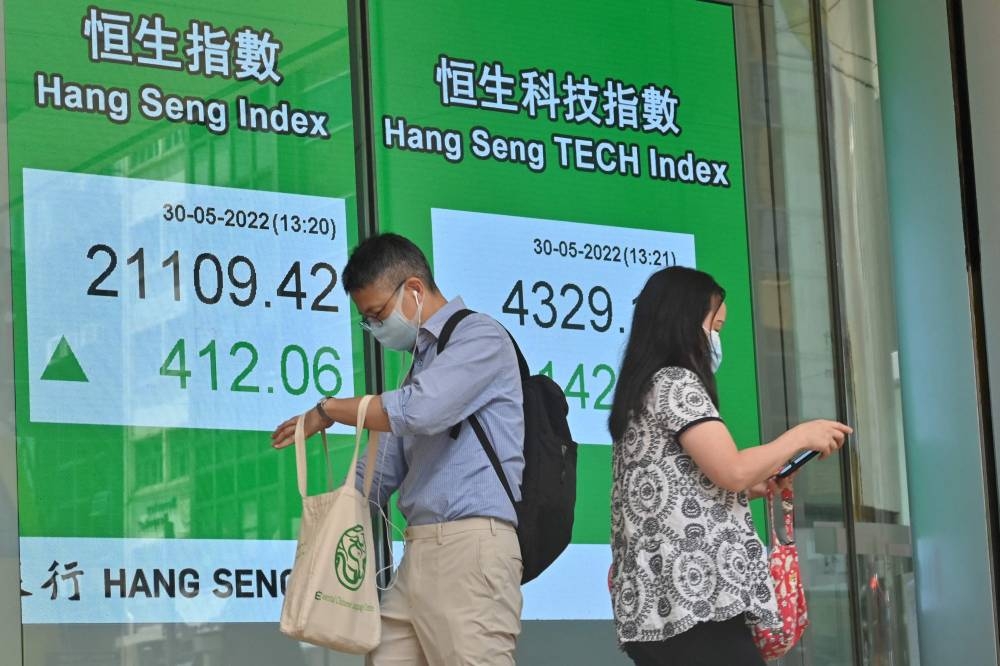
(351, 479)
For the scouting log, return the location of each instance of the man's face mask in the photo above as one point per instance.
(396, 331)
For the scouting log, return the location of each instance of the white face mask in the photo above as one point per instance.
(715, 347)
(396, 331)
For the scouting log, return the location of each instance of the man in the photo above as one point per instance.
(457, 595)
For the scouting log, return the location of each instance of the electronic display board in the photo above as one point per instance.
(182, 203)
(549, 157)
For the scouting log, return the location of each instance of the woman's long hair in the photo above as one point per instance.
(667, 330)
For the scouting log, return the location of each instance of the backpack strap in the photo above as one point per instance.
(492, 455)
(522, 363)
(449, 327)
(446, 331)
(456, 319)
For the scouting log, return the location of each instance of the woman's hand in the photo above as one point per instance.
(822, 436)
(713, 450)
(785, 483)
(774, 485)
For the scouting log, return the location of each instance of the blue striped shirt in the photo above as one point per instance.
(439, 478)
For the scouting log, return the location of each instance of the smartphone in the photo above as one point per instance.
(795, 463)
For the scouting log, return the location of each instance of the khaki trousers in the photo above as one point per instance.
(457, 597)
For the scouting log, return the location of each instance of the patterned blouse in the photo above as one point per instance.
(684, 550)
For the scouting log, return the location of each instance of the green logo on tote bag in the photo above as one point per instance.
(351, 558)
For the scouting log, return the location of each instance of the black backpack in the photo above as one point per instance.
(548, 486)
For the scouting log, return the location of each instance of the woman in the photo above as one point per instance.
(689, 573)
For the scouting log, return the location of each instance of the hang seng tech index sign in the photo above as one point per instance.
(182, 186)
(549, 157)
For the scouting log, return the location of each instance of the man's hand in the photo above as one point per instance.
(337, 410)
(284, 434)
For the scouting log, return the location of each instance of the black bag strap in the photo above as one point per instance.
(446, 331)
(449, 328)
(456, 319)
(491, 453)
(522, 363)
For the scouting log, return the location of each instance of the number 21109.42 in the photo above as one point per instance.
(209, 279)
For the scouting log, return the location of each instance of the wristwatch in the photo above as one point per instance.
(322, 413)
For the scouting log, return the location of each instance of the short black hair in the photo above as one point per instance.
(388, 257)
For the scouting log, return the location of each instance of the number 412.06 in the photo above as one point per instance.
(297, 369)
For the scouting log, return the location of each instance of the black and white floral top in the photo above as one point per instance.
(684, 550)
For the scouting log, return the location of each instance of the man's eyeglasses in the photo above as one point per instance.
(371, 323)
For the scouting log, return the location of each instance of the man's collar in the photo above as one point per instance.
(441, 317)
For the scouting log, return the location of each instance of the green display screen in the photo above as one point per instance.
(549, 157)
(182, 190)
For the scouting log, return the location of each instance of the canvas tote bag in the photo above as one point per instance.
(332, 598)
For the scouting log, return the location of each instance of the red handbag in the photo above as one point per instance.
(788, 590)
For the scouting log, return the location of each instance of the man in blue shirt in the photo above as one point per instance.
(457, 596)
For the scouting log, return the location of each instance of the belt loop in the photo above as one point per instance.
(440, 533)
(493, 526)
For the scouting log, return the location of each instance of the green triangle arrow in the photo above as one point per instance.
(64, 366)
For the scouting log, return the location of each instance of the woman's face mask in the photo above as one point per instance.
(396, 331)
(715, 347)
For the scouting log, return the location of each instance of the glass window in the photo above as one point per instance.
(883, 548)
(794, 319)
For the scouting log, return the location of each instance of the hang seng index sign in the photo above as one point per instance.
(246, 54)
(182, 190)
